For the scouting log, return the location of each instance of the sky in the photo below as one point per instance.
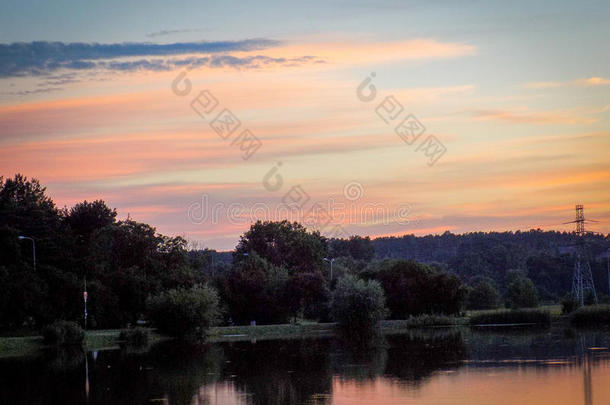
(370, 118)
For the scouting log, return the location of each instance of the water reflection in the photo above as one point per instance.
(425, 366)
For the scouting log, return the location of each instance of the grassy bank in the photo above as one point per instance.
(94, 340)
(109, 339)
(592, 316)
(512, 317)
(19, 346)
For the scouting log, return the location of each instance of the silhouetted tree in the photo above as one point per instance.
(255, 290)
(308, 294)
(283, 244)
(414, 288)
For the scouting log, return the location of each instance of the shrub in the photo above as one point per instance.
(595, 315)
(568, 304)
(63, 333)
(536, 316)
(134, 336)
(182, 312)
(357, 305)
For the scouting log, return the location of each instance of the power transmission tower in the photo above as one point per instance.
(582, 281)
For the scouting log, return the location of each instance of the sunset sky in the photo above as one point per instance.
(95, 102)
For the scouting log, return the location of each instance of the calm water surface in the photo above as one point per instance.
(444, 366)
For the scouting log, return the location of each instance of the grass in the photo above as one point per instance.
(17, 346)
(20, 346)
(591, 316)
(422, 321)
(554, 309)
(515, 317)
(263, 332)
(134, 336)
(425, 320)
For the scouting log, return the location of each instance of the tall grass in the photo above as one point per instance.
(431, 320)
(593, 316)
(532, 316)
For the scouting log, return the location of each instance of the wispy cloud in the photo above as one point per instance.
(39, 58)
(164, 33)
(251, 62)
(583, 82)
(40, 90)
(533, 117)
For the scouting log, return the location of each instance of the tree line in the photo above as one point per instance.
(276, 273)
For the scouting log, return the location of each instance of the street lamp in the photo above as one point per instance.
(608, 264)
(33, 247)
(331, 267)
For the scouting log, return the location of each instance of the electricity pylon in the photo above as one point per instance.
(582, 281)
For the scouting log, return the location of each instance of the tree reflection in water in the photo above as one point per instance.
(289, 371)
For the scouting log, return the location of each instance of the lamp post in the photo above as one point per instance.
(331, 267)
(608, 264)
(85, 296)
(33, 247)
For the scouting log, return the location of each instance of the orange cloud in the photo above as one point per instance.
(349, 52)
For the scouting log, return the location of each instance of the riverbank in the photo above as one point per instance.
(109, 338)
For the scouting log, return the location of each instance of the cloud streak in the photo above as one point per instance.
(40, 58)
(164, 33)
(584, 82)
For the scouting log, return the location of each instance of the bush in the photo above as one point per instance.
(593, 316)
(63, 333)
(536, 316)
(568, 304)
(182, 312)
(357, 305)
(134, 337)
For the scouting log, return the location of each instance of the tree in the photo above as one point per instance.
(484, 295)
(283, 244)
(414, 288)
(521, 293)
(357, 305)
(86, 218)
(307, 293)
(185, 312)
(255, 290)
(356, 247)
(26, 210)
